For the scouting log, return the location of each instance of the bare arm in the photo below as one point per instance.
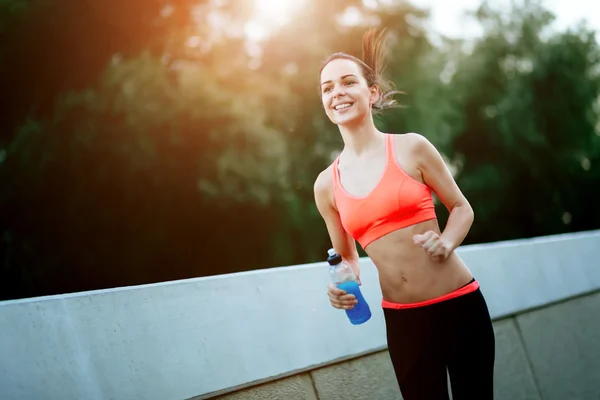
(437, 176)
(342, 242)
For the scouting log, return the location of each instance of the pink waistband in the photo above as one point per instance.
(471, 287)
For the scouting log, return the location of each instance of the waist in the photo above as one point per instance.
(470, 287)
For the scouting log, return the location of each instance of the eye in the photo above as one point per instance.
(350, 82)
(327, 89)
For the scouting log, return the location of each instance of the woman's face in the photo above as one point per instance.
(345, 93)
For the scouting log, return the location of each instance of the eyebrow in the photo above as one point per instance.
(343, 77)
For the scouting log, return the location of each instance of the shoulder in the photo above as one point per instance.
(323, 187)
(416, 146)
(324, 180)
(411, 140)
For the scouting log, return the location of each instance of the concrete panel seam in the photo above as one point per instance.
(288, 374)
(85, 365)
(527, 358)
(314, 386)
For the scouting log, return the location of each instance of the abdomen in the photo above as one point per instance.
(407, 274)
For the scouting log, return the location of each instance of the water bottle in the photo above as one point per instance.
(342, 276)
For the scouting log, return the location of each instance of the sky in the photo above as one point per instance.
(446, 14)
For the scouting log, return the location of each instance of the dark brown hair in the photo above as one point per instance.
(372, 66)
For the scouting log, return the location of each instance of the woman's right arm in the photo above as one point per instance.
(342, 242)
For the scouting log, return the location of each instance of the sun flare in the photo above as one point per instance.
(269, 15)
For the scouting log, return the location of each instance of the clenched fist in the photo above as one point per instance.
(433, 244)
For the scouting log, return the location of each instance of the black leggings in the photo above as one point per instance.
(454, 335)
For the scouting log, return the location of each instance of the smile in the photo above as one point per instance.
(342, 106)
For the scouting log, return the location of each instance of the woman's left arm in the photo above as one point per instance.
(437, 176)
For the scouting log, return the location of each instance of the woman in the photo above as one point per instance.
(378, 192)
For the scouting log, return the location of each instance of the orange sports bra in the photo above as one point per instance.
(396, 202)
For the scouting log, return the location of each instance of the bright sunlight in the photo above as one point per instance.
(269, 15)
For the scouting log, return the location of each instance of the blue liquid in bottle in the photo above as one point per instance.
(342, 275)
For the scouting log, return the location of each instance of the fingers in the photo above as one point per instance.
(421, 239)
(432, 243)
(429, 240)
(340, 299)
(334, 291)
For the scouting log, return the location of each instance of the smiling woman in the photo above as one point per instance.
(378, 192)
(269, 15)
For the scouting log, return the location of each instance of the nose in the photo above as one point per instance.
(338, 91)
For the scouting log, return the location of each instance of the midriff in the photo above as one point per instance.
(407, 274)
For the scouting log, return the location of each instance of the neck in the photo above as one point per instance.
(360, 137)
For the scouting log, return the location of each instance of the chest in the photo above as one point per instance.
(359, 179)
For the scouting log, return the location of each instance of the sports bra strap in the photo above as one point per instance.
(389, 146)
(334, 168)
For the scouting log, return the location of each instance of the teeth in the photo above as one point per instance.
(341, 106)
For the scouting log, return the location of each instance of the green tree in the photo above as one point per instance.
(187, 156)
(528, 144)
(179, 153)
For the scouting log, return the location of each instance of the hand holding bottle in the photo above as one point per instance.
(340, 298)
(344, 290)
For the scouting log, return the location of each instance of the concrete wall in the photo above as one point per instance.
(551, 353)
(271, 334)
